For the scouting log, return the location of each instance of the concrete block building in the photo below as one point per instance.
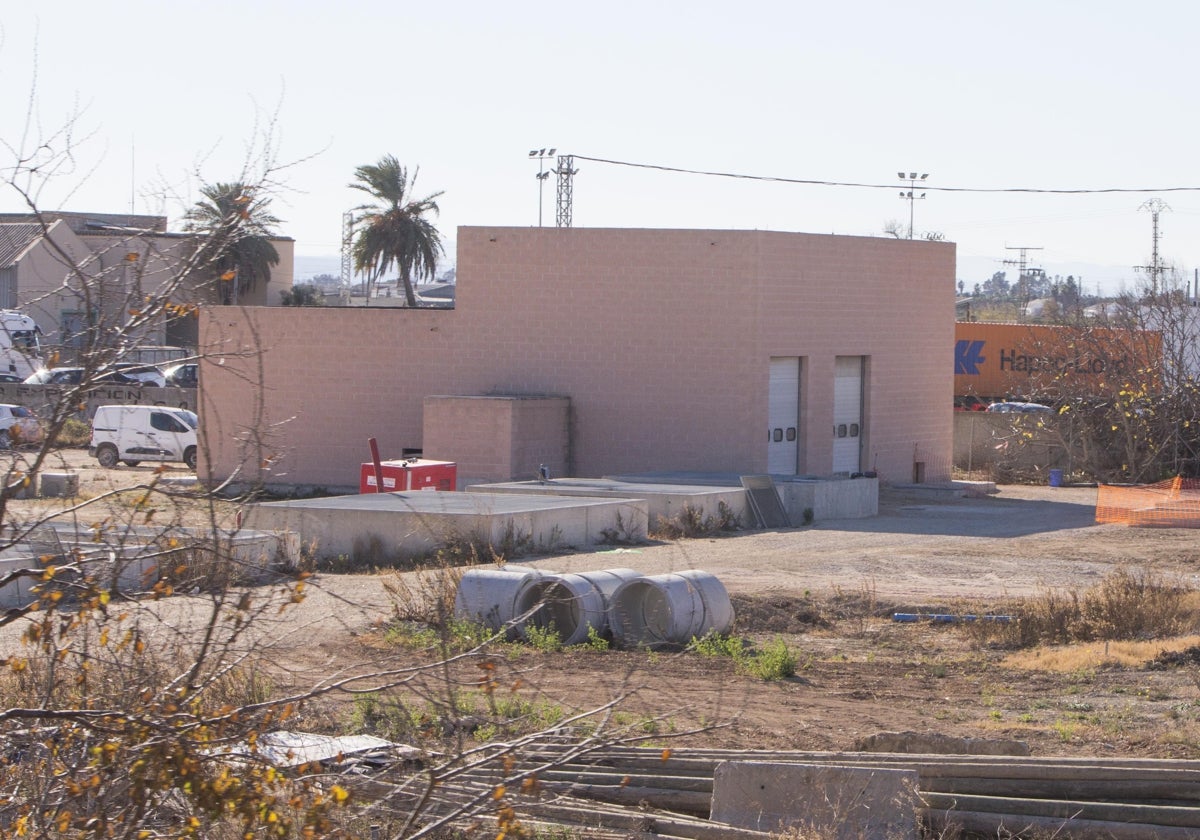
(605, 351)
(119, 257)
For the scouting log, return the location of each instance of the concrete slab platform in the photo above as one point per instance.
(131, 561)
(377, 527)
(666, 501)
(826, 497)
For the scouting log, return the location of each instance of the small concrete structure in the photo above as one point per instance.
(379, 527)
(665, 501)
(847, 803)
(131, 564)
(827, 498)
(59, 485)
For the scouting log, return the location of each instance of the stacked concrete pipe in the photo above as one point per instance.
(492, 595)
(671, 609)
(574, 604)
(635, 610)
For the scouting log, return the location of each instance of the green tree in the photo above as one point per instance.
(395, 230)
(234, 226)
(302, 294)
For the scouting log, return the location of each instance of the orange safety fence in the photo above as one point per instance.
(1168, 504)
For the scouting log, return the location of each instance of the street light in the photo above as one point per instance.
(542, 174)
(911, 194)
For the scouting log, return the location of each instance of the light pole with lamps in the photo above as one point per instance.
(911, 194)
(542, 174)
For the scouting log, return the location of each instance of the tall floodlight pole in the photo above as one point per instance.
(911, 194)
(541, 155)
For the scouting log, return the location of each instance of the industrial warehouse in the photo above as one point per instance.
(595, 352)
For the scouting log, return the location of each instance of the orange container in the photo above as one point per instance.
(1031, 361)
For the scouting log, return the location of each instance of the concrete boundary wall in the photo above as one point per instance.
(41, 398)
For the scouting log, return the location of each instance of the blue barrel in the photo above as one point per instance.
(1056, 478)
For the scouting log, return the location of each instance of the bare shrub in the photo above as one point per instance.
(691, 523)
(1126, 605)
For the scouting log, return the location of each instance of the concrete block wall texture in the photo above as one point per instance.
(661, 339)
(498, 438)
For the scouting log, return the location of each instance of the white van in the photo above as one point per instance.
(131, 434)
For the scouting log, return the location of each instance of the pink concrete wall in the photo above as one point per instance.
(498, 438)
(660, 338)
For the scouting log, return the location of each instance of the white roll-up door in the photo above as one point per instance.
(847, 414)
(783, 416)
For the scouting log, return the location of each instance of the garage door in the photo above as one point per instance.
(783, 416)
(847, 414)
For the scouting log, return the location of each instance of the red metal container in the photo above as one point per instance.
(409, 474)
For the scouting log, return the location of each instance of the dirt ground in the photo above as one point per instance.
(829, 591)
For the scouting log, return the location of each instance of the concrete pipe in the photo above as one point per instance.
(671, 609)
(492, 595)
(573, 604)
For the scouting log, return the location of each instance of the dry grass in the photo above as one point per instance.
(1127, 605)
(1092, 655)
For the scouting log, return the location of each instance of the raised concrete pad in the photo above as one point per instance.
(833, 497)
(939, 490)
(385, 526)
(128, 560)
(846, 803)
(666, 501)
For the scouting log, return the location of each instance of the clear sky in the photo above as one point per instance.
(1042, 94)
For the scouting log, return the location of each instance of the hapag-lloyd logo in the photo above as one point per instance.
(968, 356)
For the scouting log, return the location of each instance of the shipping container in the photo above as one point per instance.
(1041, 362)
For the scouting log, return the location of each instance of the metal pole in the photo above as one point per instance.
(912, 189)
(541, 185)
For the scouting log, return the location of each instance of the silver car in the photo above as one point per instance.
(1019, 408)
(18, 425)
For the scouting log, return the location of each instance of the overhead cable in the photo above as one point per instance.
(924, 186)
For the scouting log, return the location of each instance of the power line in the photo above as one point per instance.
(824, 183)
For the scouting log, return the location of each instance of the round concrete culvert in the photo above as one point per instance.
(670, 609)
(492, 596)
(573, 604)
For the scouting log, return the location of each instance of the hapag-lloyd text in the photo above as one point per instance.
(1011, 360)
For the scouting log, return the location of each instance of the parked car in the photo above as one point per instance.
(74, 375)
(1019, 408)
(144, 373)
(130, 434)
(186, 375)
(18, 424)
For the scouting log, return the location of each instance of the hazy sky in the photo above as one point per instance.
(1041, 94)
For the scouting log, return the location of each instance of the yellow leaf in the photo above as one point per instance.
(499, 792)
(340, 794)
(228, 275)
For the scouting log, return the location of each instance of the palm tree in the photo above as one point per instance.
(394, 230)
(234, 227)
